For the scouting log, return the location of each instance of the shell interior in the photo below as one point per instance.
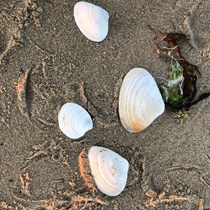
(74, 121)
(109, 170)
(140, 101)
(93, 21)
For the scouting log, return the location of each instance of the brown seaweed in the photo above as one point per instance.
(179, 93)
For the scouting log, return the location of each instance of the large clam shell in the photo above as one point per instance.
(74, 121)
(140, 101)
(93, 21)
(108, 169)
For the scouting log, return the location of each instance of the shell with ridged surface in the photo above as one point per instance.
(109, 170)
(74, 121)
(140, 101)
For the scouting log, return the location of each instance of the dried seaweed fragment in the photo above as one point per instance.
(172, 89)
(180, 89)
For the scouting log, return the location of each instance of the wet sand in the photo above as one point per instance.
(45, 61)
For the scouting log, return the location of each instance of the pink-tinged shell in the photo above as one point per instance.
(93, 21)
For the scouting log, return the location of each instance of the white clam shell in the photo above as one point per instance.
(108, 169)
(140, 101)
(93, 21)
(74, 121)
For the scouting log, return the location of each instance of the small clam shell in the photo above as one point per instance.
(93, 21)
(74, 121)
(108, 169)
(140, 101)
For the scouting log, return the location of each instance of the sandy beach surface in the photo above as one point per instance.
(46, 61)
